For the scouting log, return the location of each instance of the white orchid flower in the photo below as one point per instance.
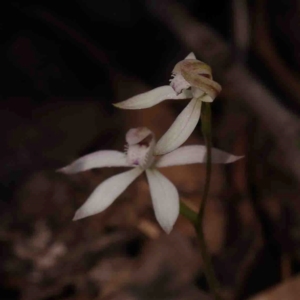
(140, 156)
(191, 79)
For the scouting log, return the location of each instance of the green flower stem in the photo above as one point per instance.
(197, 219)
(208, 267)
(188, 213)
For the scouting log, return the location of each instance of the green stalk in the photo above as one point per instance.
(208, 267)
(197, 219)
(188, 213)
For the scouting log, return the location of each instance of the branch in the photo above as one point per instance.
(265, 48)
(241, 28)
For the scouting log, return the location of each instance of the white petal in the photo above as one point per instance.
(195, 154)
(150, 98)
(105, 194)
(181, 129)
(191, 56)
(165, 199)
(99, 159)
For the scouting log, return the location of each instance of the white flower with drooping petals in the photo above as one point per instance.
(191, 79)
(140, 156)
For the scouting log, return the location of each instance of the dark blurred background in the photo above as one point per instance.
(63, 63)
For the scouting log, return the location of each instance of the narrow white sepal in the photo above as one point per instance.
(195, 154)
(105, 194)
(181, 129)
(191, 56)
(150, 98)
(99, 159)
(165, 199)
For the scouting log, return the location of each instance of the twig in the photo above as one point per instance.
(264, 46)
(241, 28)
